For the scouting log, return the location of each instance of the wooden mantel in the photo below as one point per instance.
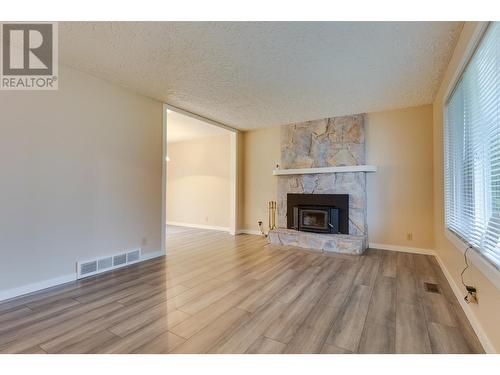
(343, 169)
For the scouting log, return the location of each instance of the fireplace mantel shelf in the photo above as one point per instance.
(343, 169)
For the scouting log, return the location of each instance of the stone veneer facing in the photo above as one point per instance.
(338, 243)
(338, 141)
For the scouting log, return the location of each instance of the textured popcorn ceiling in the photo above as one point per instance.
(256, 74)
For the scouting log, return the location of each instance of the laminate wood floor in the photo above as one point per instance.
(215, 293)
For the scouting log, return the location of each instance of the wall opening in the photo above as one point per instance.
(199, 173)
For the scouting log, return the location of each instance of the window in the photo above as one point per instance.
(472, 150)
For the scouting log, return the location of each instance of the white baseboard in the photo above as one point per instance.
(403, 249)
(199, 226)
(249, 231)
(457, 290)
(41, 285)
(35, 287)
(459, 293)
(151, 255)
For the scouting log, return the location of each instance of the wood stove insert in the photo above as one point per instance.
(319, 213)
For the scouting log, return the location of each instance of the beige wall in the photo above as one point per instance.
(199, 182)
(485, 314)
(80, 172)
(400, 193)
(261, 153)
(398, 142)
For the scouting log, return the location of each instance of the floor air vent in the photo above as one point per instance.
(432, 288)
(96, 266)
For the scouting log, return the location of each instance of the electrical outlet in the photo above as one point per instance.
(471, 296)
(144, 241)
(409, 236)
(206, 219)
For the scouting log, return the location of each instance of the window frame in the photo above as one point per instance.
(476, 257)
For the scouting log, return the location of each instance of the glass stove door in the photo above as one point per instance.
(314, 219)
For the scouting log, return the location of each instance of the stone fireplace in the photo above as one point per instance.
(311, 147)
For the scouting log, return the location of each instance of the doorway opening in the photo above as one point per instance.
(199, 173)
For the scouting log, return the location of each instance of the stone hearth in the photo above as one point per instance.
(338, 243)
(329, 142)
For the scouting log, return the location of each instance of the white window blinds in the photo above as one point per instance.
(472, 150)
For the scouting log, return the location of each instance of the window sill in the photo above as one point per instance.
(484, 266)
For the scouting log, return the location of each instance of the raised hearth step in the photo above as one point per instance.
(337, 243)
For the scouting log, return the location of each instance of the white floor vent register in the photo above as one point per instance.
(100, 265)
